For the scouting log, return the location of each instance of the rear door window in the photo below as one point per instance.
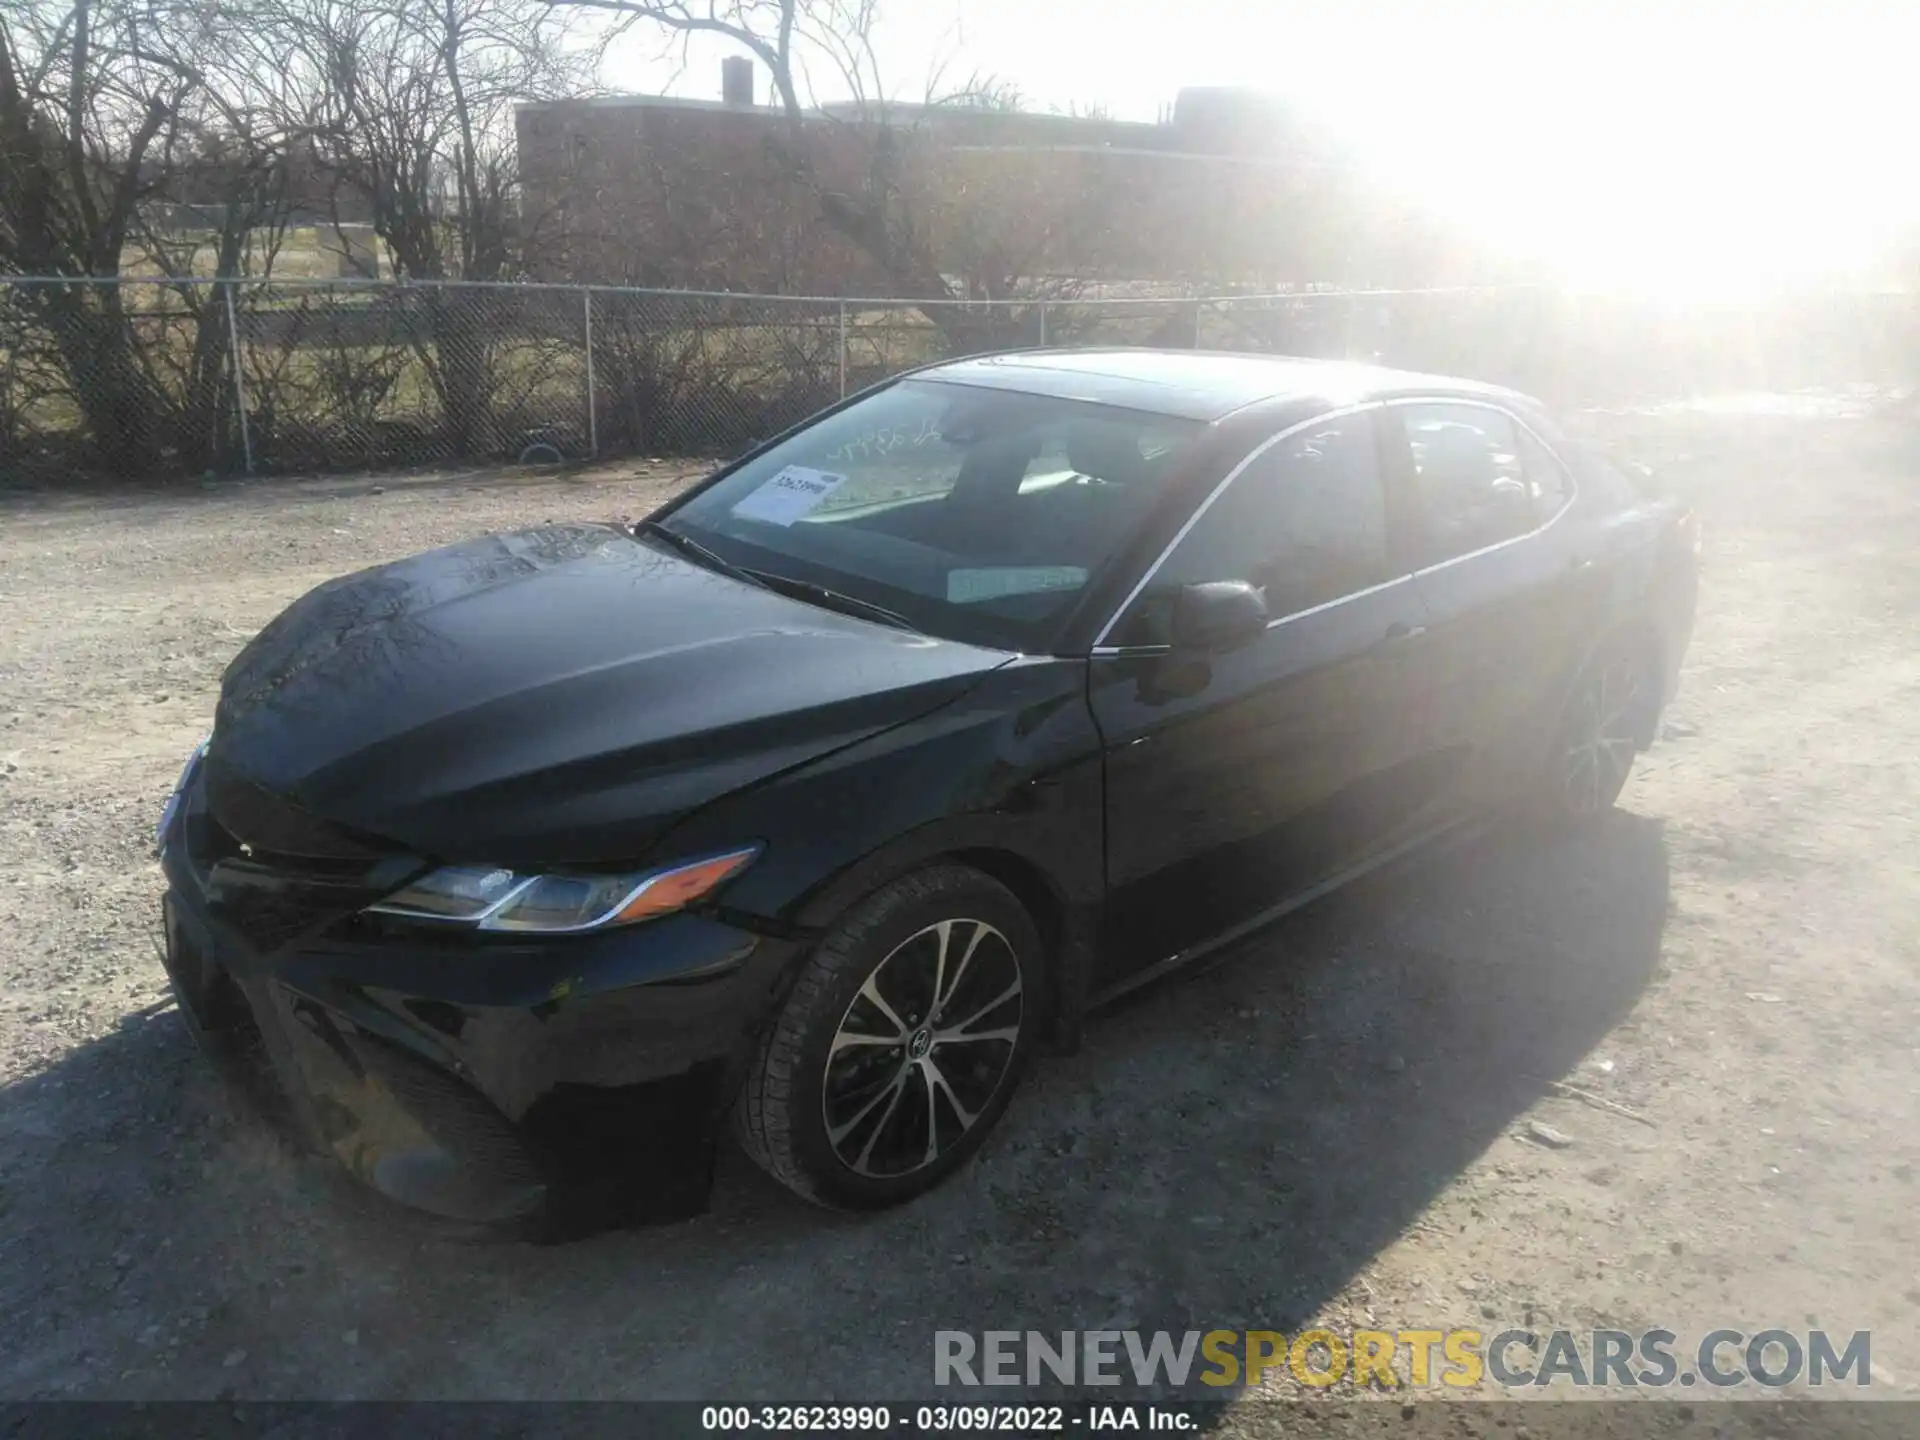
(1470, 479)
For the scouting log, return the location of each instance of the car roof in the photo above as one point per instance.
(1195, 384)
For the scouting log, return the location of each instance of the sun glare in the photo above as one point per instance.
(1698, 149)
(1693, 148)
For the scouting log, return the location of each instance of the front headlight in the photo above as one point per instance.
(481, 898)
(172, 806)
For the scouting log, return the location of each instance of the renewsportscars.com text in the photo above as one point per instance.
(1397, 1359)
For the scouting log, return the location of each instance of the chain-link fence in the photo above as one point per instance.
(148, 377)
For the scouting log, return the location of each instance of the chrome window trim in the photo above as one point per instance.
(1100, 647)
(1287, 619)
(1340, 600)
(1573, 481)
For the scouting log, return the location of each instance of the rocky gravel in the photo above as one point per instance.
(1660, 1074)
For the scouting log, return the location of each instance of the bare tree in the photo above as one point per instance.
(171, 136)
(929, 220)
(92, 95)
(773, 30)
(406, 111)
(130, 139)
(231, 183)
(87, 98)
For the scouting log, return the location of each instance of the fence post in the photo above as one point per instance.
(1043, 324)
(843, 349)
(593, 409)
(239, 380)
(7, 399)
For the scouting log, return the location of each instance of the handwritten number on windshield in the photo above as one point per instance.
(887, 440)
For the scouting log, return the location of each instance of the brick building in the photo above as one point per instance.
(654, 190)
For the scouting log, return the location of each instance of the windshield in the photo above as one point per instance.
(974, 514)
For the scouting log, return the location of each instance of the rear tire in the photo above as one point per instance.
(901, 1043)
(1608, 711)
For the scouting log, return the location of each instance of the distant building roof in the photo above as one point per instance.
(661, 102)
(1203, 121)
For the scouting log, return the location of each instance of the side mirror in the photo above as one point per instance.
(1219, 615)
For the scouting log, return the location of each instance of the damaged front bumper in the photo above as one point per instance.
(553, 1086)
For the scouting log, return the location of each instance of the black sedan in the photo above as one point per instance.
(824, 797)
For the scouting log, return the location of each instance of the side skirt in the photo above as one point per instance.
(1218, 949)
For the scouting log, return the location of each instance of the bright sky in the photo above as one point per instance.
(1683, 145)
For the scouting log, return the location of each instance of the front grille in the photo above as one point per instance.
(270, 905)
(206, 841)
(268, 824)
(274, 872)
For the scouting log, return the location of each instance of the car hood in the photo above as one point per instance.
(559, 694)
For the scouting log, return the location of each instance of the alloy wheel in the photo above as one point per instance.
(923, 1048)
(1602, 721)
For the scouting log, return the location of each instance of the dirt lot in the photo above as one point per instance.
(1333, 1125)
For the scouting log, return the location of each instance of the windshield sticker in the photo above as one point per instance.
(789, 496)
(967, 587)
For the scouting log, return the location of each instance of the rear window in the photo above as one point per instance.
(1601, 478)
(1598, 477)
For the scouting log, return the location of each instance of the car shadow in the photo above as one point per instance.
(1226, 1151)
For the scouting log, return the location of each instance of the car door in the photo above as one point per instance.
(1237, 780)
(1510, 588)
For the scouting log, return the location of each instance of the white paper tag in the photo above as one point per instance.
(994, 583)
(788, 496)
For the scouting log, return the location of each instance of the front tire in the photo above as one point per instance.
(901, 1043)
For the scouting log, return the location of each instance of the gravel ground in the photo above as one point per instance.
(1341, 1123)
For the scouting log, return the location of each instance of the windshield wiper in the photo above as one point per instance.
(687, 545)
(802, 589)
(834, 600)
